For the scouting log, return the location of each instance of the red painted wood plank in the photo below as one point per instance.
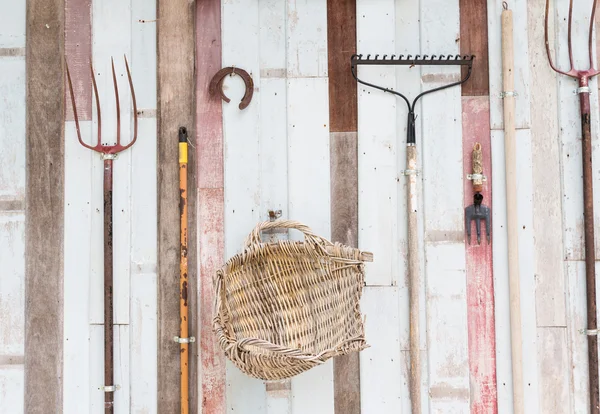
(211, 233)
(78, 52)
(209, 131)
(480, 284)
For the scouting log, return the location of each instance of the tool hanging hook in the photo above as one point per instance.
(216, 84)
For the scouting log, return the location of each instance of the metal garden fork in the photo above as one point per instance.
(109, 153)
(583, 77)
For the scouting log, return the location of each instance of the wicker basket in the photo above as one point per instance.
(284, 307)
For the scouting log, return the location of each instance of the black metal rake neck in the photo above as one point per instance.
(442, 60)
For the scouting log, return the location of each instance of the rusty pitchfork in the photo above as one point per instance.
(583, 77)
(109, 153)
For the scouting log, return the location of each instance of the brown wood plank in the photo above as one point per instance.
(343, 113)
(175, 32)
(45, 206)
(78, 52)
(474, 41)
(211, 201)
(341, 44)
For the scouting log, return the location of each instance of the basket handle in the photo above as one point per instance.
(310, 237)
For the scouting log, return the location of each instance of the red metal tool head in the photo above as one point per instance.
(582, 75)
(106, 149)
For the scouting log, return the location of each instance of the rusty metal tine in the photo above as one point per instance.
(592, 22)
(550, 60)
(117, 100)
(569, 35)
(75, 108)
(99, 144)
(135, 114)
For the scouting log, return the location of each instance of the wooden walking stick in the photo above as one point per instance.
(183, 339)
(583, 77)
(511, 209)
(109, 153)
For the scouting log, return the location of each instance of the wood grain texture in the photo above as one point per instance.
(341, 44)
(175, 33)
(210, 220)
(78, 52)
(344, 229)
(480, 283)
(343, 103)
(45, 208)
(474, 41)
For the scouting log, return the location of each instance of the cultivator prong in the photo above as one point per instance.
(583, 77)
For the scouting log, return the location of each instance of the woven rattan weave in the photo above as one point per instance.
(282, 308)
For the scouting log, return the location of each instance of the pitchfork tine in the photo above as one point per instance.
(592, 22)
(75, 108)
(97, 105)
(135, 114)
(117, 99)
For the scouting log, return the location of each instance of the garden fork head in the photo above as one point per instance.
(106, 149)
(582, 75)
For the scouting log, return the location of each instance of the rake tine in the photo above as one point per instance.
(135, 115)
(99, 144)
(117, 101)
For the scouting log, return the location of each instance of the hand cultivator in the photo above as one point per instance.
(109, 153)
(583, 77)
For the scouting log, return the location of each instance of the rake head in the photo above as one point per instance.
(106, 149)
(582, 75)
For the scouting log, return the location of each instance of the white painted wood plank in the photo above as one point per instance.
(12, 383)
(440, 144)
(12, 22)
(77, 256)
(12, 126)
(554, 384)
(122, 368)
(273, 145)
(378, 144)
(96, 372)
(242, 159)
(526, 268)
(143, 343)
(309, 202)
(577, 342)
(383, 368)
(549, 275)
(273, 41)
(111, 37)
(521, 54)
(12, 277)
(143, 301)
(306, 38)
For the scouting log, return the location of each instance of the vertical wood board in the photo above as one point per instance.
(474, 41)
(45, 185)
(479, 264)
(78, 53)
(175, 75)
(211, 214)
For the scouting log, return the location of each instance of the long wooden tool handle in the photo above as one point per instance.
(183, 272)
(413, 280)
(108, 288)
(511, 210)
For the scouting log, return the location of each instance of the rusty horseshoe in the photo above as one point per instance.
(216, 84)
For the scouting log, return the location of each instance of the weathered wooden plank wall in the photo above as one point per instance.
(12, 205)
(310, 142)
